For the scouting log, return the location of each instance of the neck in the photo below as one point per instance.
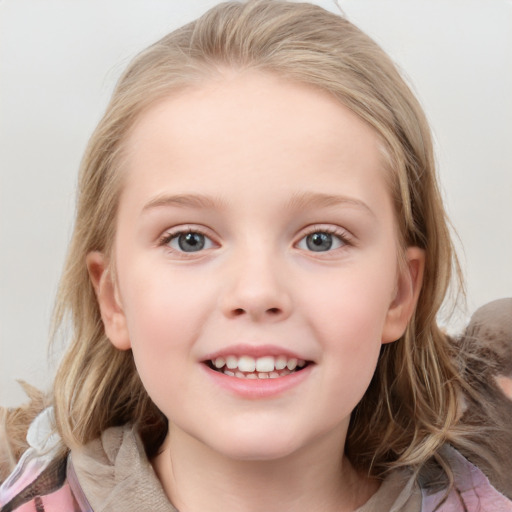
(196, 478)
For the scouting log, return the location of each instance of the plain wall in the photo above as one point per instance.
(59, 60)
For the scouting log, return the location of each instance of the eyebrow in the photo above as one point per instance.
(184, 201)
(296, 202)
(319, 200)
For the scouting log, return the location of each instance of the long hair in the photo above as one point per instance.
(412, 405)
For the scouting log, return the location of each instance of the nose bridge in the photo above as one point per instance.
(257, 285)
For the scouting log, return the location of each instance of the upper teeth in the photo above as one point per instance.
(260, 364)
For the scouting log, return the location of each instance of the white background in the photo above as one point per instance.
(59, 60)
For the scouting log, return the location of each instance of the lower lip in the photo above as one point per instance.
(258, 388)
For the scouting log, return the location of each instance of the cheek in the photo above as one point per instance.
(355, 302)
(156, 299)
(163, 322)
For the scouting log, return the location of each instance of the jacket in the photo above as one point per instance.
(113, 473)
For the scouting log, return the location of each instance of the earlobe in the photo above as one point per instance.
(402, 307)
(112, 314)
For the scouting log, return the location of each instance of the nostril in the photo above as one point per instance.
(270, 311)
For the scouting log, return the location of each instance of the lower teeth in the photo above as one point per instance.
(256, 375)
(260, 375)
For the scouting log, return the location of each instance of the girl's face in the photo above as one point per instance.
(256, 264)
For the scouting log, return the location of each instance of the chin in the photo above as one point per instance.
(256, 446)
(254, 453)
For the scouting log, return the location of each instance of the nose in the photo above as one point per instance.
(257, 288)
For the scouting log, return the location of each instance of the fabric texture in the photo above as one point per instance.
(113, 473)
(39, 481)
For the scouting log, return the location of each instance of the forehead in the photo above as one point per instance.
(231, 133)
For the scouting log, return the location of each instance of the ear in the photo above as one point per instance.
(112, 314)
(408, 288)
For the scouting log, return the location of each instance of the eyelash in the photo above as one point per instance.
(169, 236)
(345, 238)
(341, 235)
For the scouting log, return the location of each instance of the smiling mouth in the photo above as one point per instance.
(266, 367)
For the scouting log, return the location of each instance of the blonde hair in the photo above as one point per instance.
(412, 405)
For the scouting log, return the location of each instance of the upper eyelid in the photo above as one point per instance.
(345, 237)
(339, 231)
(170, 233)
(187, 228)
(325, 228)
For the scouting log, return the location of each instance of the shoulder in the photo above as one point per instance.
(471, 490)
(115, 470)
(39, 482)
(108, 473)
(39, 487)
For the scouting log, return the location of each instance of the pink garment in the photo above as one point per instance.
(472, 491)
(58, 501)
(36, 487)
(39, 484)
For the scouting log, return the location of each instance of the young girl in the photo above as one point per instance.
(259, 254)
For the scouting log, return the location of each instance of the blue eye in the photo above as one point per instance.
(321, 241)
(189, 241)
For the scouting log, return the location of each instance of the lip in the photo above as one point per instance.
(254, 389)
(254, 351)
